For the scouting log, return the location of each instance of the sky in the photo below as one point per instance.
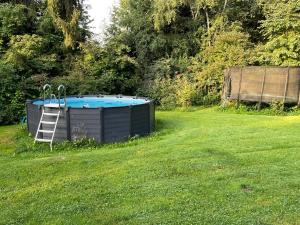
(100, 12)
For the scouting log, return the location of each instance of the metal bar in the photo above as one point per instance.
(286, 85)
(47, 86)
(62, 87)
(240, 84)
(227, 95)
(262, 88)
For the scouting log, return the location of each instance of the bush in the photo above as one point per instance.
(158, 89)
(185, 92)
(171, 92)
(10, 97)
(168, 102)
(230, 47)
(277, 107)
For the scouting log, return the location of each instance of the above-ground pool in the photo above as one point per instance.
(106, 119)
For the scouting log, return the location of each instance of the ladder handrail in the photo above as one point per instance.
(60, 88)
(45, 87)
(52, 97)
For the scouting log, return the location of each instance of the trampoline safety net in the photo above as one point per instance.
(262, 84)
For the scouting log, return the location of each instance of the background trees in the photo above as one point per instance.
(174, 51)
(281, 30)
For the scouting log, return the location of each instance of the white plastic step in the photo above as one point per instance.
(51, 114)
(54, 105)
(46, 131)
(43, 140)
(47, 122)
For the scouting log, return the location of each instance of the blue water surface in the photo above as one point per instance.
(96, 102)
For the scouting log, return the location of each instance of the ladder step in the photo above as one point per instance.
(51, 114)
(43, 140)
(46, 131)
(46, 122)
(54, 105)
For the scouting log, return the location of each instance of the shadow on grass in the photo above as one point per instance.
(162, 126)
(222, 157)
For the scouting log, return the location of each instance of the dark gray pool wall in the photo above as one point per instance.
(105, 125)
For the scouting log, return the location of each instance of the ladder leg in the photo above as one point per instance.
(39, 126)
(55, 126)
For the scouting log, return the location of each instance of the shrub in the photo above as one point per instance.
(168, 102)
(158, 89)
(230, 47)
(171, 92)
(9, 96)
(277, 107)
(185, 91)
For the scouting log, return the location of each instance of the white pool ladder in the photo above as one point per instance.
(51, 118)
(50, 131)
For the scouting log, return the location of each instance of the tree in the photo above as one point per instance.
(14, 20)
(166, 12)
(281, 29)
(230, 47)
(66, 15)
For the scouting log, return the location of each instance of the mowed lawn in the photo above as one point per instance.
(201, 167)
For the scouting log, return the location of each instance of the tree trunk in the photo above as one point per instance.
(208, 25)
(225, 5)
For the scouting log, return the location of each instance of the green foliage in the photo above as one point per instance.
(203, 38)
(174, 51)
(133, 27)
(229, 48)
(281, 28)
(186, 91)
(162, 90)
(31, 53)
(66, 15)
(14, 19)
(277, 107)
(201, 82)
(171, 92)
(166, 12)
(9, 84)
(16, 106)
(23, 48)
(100, 70)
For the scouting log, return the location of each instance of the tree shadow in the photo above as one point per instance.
(162, 126)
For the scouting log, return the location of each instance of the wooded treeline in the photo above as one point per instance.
(173, 51)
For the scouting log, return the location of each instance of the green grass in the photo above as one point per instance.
(7, 144)
(201, 167)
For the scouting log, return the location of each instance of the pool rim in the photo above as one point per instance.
(146, 99)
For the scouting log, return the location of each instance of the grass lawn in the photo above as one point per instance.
(7, 144)
(201, 167)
